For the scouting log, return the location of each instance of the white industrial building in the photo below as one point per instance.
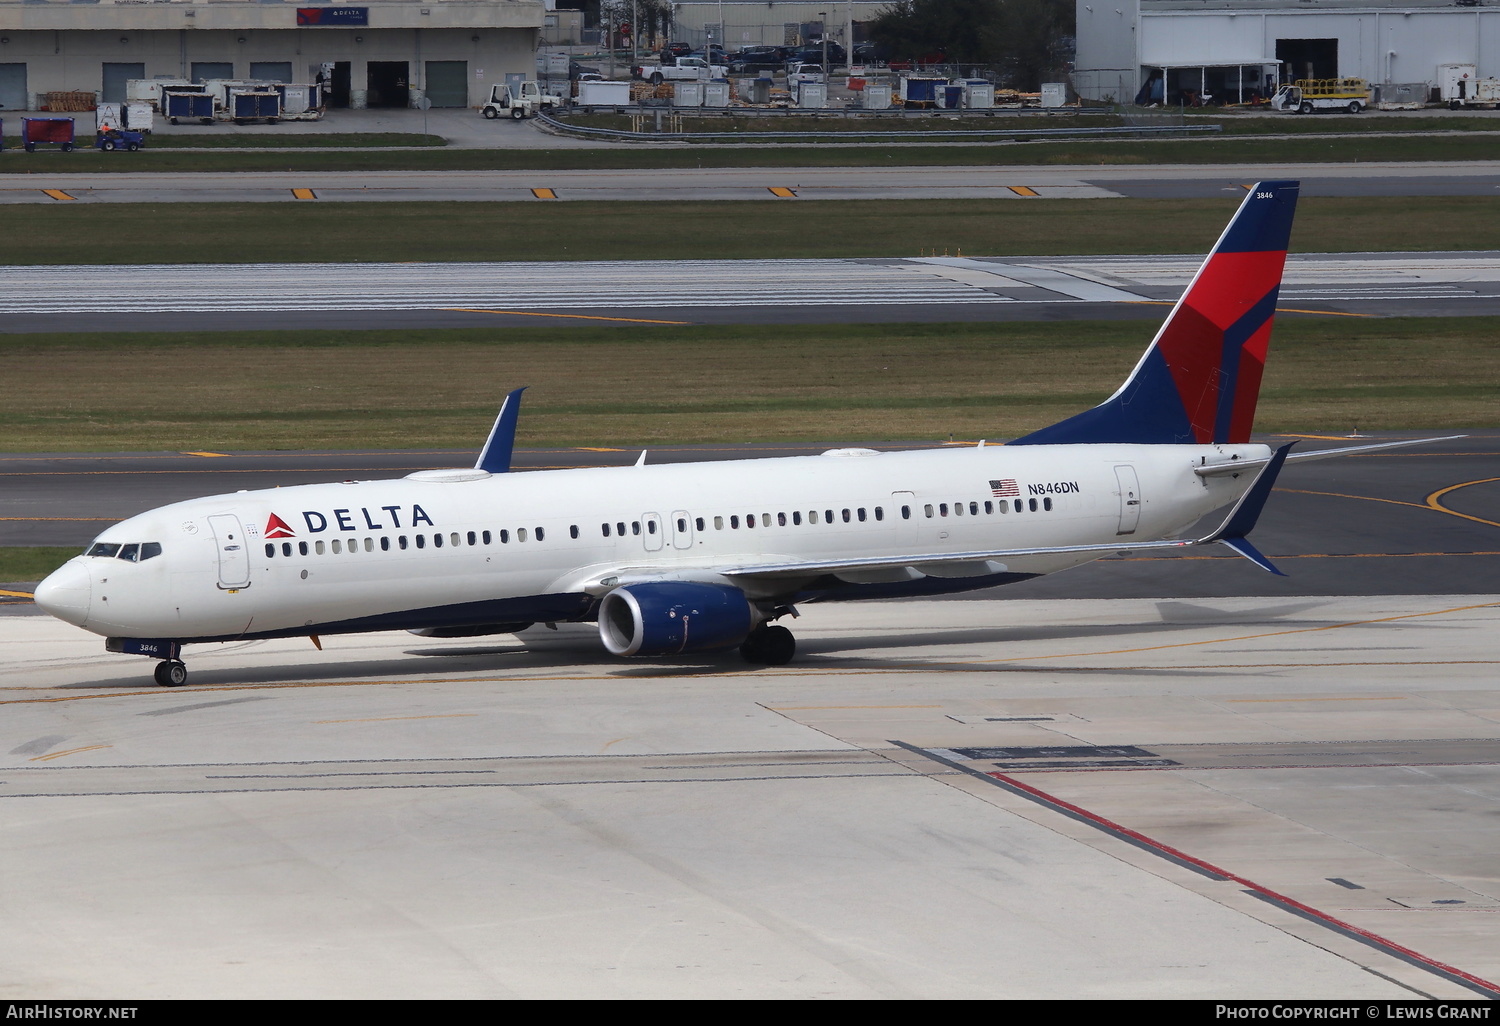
(735, 24)
(1232, 48)
(383, 53)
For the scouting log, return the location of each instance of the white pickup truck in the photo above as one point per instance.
(687, 69)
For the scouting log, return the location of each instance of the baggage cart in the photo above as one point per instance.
(47, 132)
(183, 105)
(246, 105)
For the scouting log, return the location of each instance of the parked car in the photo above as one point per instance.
(759, 58)
(719, 56)
(814, 54)
(672, 51)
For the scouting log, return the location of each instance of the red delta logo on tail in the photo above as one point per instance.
(278, 528)
(1199, 381)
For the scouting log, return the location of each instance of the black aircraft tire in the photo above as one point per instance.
(769, 646)
(171, 673)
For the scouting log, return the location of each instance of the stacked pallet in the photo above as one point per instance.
(74, 100)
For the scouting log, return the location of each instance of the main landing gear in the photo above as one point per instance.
(171, 673)
(769, 645)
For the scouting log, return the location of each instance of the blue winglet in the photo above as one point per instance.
(1246, 512)
(496, 454)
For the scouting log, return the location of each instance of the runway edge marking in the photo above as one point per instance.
(1207, 869)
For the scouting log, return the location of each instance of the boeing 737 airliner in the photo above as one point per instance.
(695, 557)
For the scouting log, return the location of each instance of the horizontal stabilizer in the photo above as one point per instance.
(1242, 519)
(1250, 552)
(1240, 466)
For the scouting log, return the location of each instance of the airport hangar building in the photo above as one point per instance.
(1229, 47)
(389, 53)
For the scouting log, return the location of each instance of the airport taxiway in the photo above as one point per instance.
(52, 184)
(1236, 798)
(191, 297)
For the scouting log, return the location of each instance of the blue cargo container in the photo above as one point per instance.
(189, 106)
(255, 106)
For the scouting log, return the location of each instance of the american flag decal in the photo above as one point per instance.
(1005, 488)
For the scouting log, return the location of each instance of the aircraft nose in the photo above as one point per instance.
(66, 592)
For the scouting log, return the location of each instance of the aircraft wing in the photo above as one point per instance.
(1239, 466)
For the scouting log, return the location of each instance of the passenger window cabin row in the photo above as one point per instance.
(453, 539)
(631, 528)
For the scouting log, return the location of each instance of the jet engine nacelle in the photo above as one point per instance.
(668, 617)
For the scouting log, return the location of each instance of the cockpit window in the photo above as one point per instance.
(134, 552)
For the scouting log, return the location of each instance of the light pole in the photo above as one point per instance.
(849, 38)
(823, 27)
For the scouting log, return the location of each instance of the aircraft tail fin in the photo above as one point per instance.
(502, 441)
(1199, 380)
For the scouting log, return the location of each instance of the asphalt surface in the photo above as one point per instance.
(193, 297)
(49, 184)
(1424, 520)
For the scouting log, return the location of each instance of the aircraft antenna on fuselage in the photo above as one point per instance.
(495, 457)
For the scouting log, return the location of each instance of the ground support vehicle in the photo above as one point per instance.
(118, 139)
(1307, 95)
(1460, 86)
(687, 69)
(47, 132)
(525, 104)
(138, 117)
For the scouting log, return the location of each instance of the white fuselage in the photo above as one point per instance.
(376, 554)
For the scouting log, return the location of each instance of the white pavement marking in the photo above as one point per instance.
(1050, 278)
(708, 283)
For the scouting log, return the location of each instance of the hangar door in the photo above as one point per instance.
(271, 71)
(202, 71)
(115, 77)
(387, 84)
(448, 83)
(12, 87)
(1308, 58)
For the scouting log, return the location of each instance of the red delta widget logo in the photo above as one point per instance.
(344, 520)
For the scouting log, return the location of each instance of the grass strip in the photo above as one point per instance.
(1246, 125)
(32, 563)
(640, 387)
(145, 233)
(238, 141)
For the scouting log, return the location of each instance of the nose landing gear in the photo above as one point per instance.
(171, 673)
